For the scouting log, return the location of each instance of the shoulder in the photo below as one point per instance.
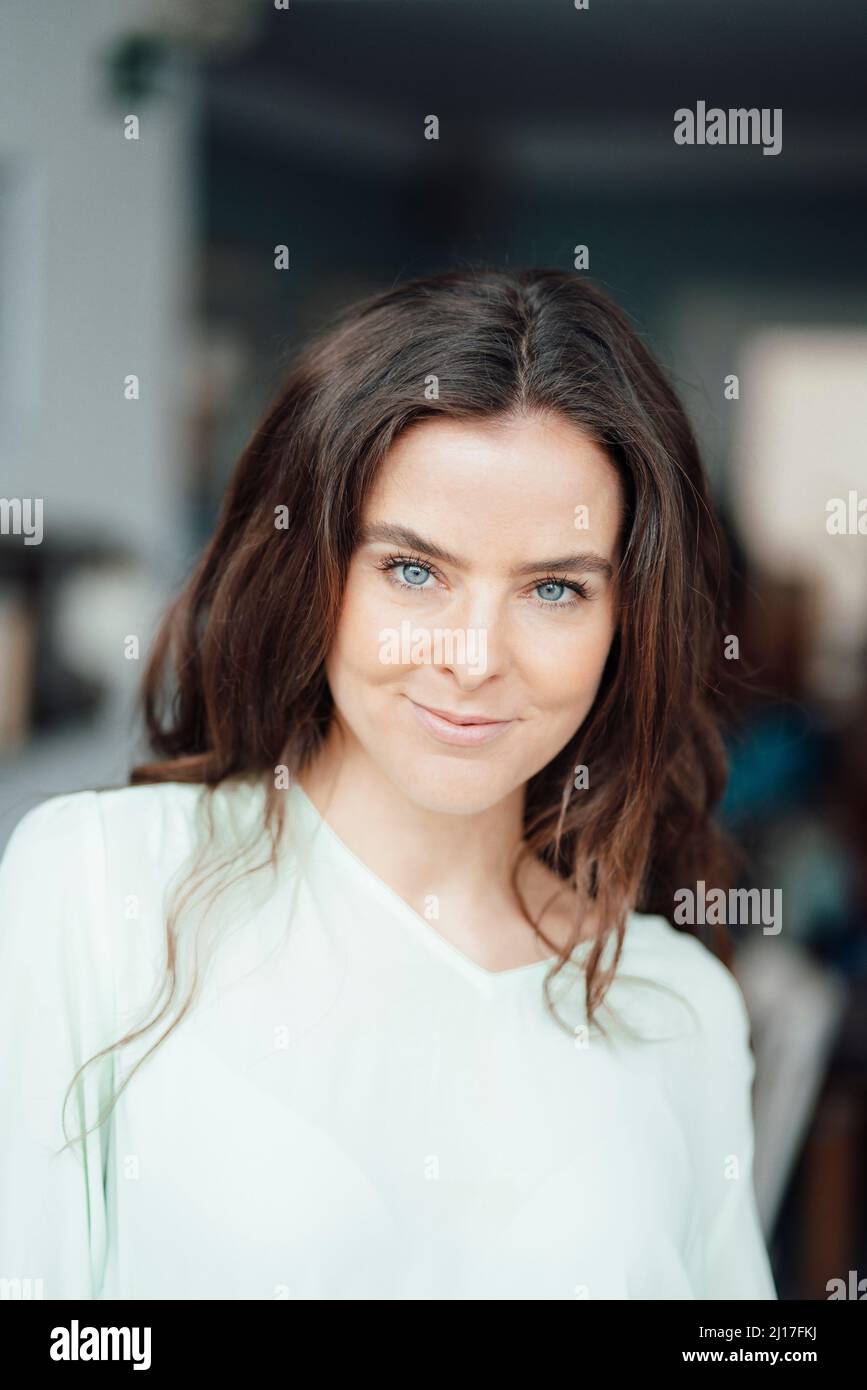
(76, 822)
(121, 834)
(681, 962)
(52, 898)
(80, 865)
(82, 838)
(61, 827)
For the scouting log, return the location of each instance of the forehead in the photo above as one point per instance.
(518, 478)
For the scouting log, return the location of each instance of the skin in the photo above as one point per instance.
(426, 817)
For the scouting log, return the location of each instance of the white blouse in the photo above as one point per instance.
(353, 1109)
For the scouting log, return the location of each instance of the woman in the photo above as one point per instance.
(456, 645)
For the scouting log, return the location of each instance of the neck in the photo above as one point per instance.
(418, 851)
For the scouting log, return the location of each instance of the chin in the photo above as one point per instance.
(449, 790)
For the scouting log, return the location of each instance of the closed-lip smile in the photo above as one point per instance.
(459, 730)
(461, 718)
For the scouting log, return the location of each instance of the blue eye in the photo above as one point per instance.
(549, 584)
(418, 574)
(416, 571)
(413, 573)
(577, 590)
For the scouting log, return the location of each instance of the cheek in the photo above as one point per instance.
(564, 671)
(356, 655)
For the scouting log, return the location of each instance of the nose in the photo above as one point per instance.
(475, 645)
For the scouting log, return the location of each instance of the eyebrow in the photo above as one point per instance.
(585, 560)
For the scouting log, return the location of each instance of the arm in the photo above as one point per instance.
(56, 1010)
(736, 1263)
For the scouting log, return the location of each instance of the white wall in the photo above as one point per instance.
(95, 247)
(96, 262)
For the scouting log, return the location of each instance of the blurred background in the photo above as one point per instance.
(154, 153)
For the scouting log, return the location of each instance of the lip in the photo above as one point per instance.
(461, 731)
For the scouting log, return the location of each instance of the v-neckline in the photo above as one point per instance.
(447, 951)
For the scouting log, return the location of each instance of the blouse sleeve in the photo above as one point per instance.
(56, 1011)
(736, 1262)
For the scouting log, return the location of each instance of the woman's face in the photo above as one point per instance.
(482, 587)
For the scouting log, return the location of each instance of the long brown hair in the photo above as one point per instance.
(236, 683)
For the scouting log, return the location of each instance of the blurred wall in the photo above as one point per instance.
(96, 274)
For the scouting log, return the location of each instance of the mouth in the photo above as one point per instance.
(459, 730)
